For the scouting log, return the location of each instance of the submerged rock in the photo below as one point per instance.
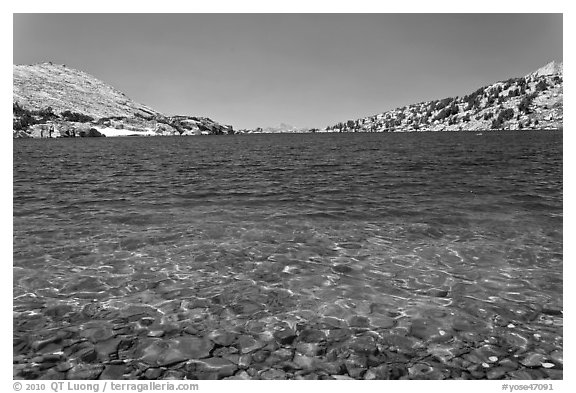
(167, 352)
(312, 336)
(533, 360)
(212, 368)
(113, 372)
(285, 336)
(359, 321)
(304, 362)
(224, 339)
(85, 371)
(273, 374)
(247, 344)
(424, 371)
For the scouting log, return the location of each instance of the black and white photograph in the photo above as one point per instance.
(314, 196)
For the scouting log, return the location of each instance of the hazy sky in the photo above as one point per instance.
(253, 70)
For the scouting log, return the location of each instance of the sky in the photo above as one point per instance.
(307, 70)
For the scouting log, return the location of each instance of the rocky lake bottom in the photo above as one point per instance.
(363, 257)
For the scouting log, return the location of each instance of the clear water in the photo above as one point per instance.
(459, 230)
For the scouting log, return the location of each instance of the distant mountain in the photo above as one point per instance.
(282, 128)
(52, 100)
(534, 101)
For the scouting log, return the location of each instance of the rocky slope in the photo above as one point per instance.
(534, 101)
(52, 100)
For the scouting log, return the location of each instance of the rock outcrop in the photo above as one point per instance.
(54, 101)
(534, 101)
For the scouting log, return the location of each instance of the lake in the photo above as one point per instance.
(289, 256)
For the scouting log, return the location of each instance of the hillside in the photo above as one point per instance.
(52, 100)
(534, 101)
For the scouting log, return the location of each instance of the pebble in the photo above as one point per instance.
(106, 348)
(547, 365)
(85, 371)
(65, 366)
(241, 375)
(284, 353)
(312, 336)
(87, 355)
(552, 310)
(310, 376)
(342, 269)
(363, 345)
(554, 374)
(331, 368)
(98, 334)
(224, 339)
(515, 340)
(156, 333)
(285, 336)
(493, 358)
(304, 362)
(339, 334)
(260, 356)
(533, 360)
(273, 374)
(52, 374)
(422, 329)
(218, 367)
(437, 292)
(356, 365)
(309, 349)
(381, 372)
(496, 373)
(153, 373)
(245, 360)
(359, 321)
(173, 375)
(58, 311)
(42, 344)
(520, 374)
(168, 352)
(248, 344)
(332, 323)
(113, 372)
(557, 356)
(382, 322)
(424, 371)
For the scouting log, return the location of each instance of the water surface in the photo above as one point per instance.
(449, 239)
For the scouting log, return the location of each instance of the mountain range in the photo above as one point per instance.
(51, 100)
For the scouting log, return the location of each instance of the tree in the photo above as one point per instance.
(524, 105)
(542, 85)
(496, 124)
(506, 114)
(76, 117)
(46, 114)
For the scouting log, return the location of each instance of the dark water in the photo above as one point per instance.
(451, 240)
